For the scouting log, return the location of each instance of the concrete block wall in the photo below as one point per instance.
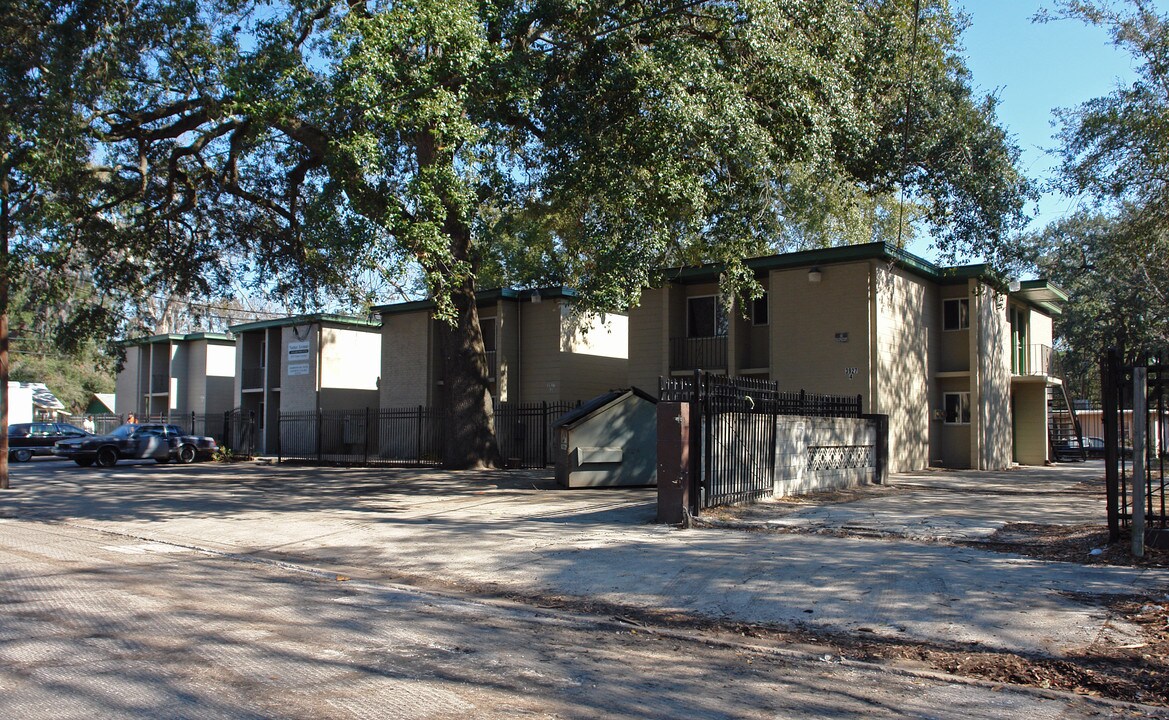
(796, 435)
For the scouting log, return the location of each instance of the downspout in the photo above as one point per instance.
(874, 346)
(974, 337)
(319, 360)
(519, 353)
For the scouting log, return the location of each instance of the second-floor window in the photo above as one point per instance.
(956, 314)
(706, 316)
(759, 310)
(487, 326)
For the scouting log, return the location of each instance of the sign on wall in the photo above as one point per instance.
(298, 357)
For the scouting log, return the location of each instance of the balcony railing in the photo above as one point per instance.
(1032, 360)
(160, 383)
(706, 353)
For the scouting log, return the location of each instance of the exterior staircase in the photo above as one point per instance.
(1065, 437)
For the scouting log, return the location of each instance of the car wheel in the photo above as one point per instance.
(83, 462)
(22, 455)
(187, 454)
(107, 457)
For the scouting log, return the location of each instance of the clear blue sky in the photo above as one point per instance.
(1034, 68)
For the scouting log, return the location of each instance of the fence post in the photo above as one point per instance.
(1109, 380)
(544, 434)
(858, 404)
(421, 428)
(226, 428)
(366, 435)
(1140, 419)
(320, 429)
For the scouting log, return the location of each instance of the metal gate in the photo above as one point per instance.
(1136, 433)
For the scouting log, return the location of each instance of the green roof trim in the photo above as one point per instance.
(1043, 295)
(177, 337)
(323, 318)
(481, 297)
(835, 255)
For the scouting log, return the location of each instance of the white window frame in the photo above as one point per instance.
(946, 407)
(961, 316)
(718, 303)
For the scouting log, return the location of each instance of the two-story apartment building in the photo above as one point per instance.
(304, 363)
(538, 349)
(176, 375)
(954, 360)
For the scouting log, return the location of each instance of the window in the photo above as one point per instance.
(956, 314)
(957, 408)
(487, 326)
(706, 316)
(759, 310)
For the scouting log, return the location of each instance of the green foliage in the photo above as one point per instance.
(224, 454)
(1114, 259)
(1115, 269)
(585, 143)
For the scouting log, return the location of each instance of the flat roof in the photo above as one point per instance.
(178, 337)
(323, 318)
(483, 296)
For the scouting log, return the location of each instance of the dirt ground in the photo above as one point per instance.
(1134, 673)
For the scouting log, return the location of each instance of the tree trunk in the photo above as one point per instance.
(5, 232)
(469, 428)
(468, 418)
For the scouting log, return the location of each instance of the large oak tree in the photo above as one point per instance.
(299, 142)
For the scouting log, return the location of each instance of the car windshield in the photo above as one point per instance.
(125, 431)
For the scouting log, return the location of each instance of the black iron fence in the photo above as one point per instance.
(737, 455)
(412, 436)
(1120, 441)
(726, 394)
(103, 424)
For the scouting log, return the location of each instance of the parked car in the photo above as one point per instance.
(1068, 449)
(1094, 447)
(162, 443)
(28, 439)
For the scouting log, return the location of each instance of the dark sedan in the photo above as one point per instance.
(28, 439)
(162, 443)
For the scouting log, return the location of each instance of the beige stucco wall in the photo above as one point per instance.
(194, 389)
(648, 340)
(805, 318)
(955, 344)
(992, 406)
(907, 317)
(1030, 417)
(406, 355)
(540, 366)
(219, 379)
(127, 394)
(298, 393)
(954, 438)
(350, 358)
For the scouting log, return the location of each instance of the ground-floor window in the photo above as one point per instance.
(957, 408)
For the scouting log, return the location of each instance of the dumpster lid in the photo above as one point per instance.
(573, 417)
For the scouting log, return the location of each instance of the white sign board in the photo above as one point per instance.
(298, 351)
(298, 369)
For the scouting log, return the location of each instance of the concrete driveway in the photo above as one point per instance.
(517, 532)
